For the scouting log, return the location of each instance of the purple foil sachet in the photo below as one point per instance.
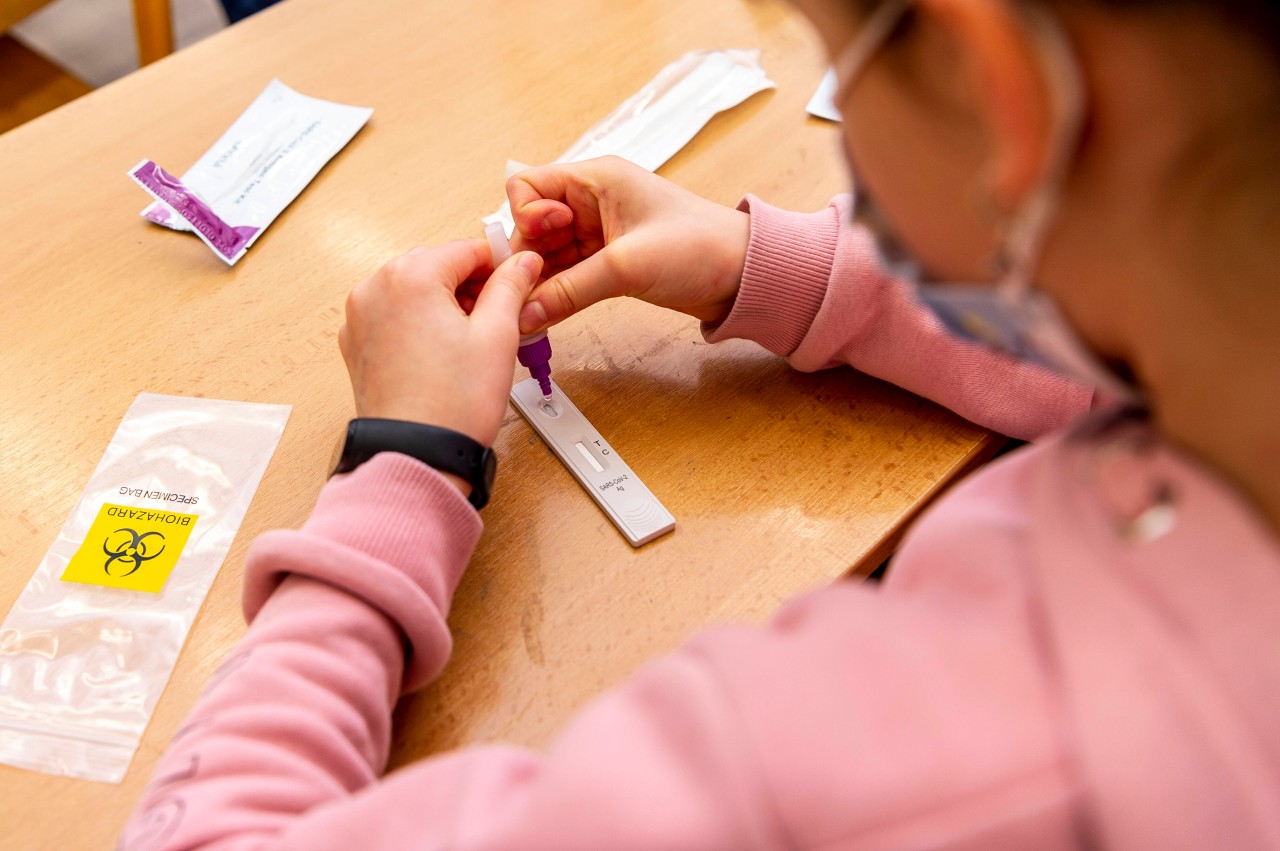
(228, 241)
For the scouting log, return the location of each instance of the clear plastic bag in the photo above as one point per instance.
(88, 647)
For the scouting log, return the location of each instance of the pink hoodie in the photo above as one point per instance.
(1073, 650)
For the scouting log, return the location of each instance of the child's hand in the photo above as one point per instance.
(431, 337)
(607, 227)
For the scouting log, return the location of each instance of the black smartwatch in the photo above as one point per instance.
(446, 450)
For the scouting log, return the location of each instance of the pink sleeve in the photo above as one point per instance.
(346, 614)
(826, 726)
(812, 292)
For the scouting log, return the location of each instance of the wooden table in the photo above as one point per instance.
(779, 481)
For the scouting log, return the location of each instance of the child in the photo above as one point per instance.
(1075, 648)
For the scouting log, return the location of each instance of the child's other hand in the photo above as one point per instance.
(431, 337)
(607, 227)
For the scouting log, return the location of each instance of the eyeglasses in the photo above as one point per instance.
(849, 65)
(1024, 230)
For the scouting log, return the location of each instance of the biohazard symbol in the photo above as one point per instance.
(130, 548)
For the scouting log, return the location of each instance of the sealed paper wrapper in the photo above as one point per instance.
(89, 645)
(653, 124)
(264, 160)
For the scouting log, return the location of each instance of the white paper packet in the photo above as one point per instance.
(822, 104)
(264, 160)
(82, 665)
(653, 124)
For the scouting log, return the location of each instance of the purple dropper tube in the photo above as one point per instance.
(534, 352)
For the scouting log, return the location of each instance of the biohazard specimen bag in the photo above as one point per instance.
(90, 643)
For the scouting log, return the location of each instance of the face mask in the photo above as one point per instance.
(1009, 314)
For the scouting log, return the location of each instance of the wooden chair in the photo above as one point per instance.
(30, 85)
(152, 20)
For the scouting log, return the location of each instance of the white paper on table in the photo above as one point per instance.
(822, 104)
(653, 124)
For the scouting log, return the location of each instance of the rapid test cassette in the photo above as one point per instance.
(612, 484)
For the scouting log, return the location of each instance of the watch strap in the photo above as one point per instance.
(444, 449)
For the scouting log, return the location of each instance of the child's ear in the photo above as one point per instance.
(1014, 94)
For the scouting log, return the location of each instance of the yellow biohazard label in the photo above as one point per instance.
(134, 548)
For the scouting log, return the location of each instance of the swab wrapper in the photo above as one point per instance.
(822, 104)
(255, 170)
(653, 124)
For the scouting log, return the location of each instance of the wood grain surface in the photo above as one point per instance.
(779, 481)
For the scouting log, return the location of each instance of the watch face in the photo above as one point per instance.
(490, 467)
(340, 449)
(482, 490)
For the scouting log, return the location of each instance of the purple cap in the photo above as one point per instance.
(536, 357)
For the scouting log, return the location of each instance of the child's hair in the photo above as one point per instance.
(1259, 19)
